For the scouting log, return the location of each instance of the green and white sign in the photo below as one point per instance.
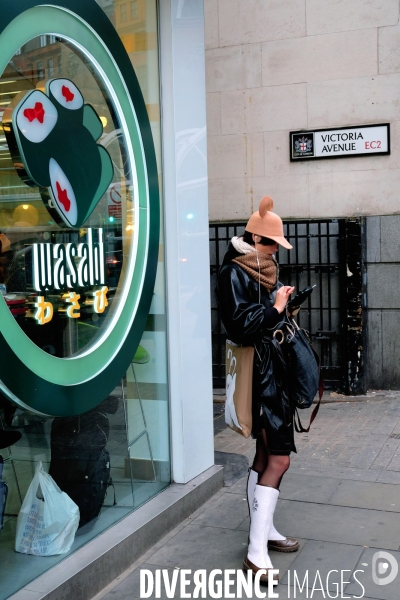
(57, 142)
(54, 136)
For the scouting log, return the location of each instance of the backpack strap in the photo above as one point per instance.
(296, 419)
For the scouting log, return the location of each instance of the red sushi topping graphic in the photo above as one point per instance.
(63, 197)
(66, 92)
(35, 113)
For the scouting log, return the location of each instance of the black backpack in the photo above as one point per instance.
(80, 463)
(85, 480)
(304, 378)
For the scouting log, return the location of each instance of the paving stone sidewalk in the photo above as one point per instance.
(352, 438)
(340, 498)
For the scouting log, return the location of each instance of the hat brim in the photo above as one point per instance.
(279, 239)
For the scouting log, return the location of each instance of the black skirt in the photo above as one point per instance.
(272, 410)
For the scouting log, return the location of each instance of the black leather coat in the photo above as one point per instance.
(249, 319)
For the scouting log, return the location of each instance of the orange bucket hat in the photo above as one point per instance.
(267, 224)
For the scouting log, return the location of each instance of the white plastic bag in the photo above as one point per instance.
(48, 519)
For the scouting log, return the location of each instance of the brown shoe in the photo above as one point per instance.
(249, 566)
(288, 545)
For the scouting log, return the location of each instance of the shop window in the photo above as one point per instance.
(39, 70)
(124, 13)
(134, 10)
(50, 67)
(131, 425)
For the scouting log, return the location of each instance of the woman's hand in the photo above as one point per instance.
(282, 297)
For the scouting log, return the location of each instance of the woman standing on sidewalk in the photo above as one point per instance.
(252, 301)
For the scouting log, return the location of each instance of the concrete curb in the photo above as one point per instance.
(91, 568)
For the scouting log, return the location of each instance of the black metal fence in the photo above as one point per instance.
(318, 257)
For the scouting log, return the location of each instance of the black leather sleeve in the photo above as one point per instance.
(245, 321)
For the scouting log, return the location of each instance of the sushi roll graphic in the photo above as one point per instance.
(52, 139)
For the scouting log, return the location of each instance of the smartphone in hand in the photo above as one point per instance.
(301, 297)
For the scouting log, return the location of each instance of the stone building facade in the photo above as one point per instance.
(275, 67)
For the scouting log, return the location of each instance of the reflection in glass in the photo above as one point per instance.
(28, 217)
(132, 424)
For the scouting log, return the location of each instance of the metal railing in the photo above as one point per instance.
(316, 258)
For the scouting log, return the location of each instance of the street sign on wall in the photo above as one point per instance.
(340, 142)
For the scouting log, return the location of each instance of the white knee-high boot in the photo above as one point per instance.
(251, 486)
(252, 481)
(262, 510)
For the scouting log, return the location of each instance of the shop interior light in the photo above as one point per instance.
(104, 121)
(111, 219)
(25, 215)
(190, 216)
(8, 81)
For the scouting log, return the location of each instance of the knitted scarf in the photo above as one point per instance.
(263, 270)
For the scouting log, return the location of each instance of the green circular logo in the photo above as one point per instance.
(81, 145)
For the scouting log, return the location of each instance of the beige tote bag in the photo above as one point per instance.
(239, 377)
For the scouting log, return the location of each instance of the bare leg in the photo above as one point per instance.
(269, 474)
(280, 463)
(277, 467)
